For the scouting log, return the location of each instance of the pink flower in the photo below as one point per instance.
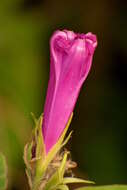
(70, 63)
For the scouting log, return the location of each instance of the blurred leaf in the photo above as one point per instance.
(3, 172)
(108, 187)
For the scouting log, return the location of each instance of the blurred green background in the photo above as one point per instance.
(99, 144)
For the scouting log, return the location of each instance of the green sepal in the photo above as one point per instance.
(53, 182)
(67, 139)
(40, 152)
(34, 118)
(46, 171)
(29, 176)
(44, 162)
(57, 178)
(50, 156)
(28, 154)
(37, 147)
(40, 148)
(3, 172)
(58, 181)
(63, 166)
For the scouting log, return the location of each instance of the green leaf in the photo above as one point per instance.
(108, 187)
(3, 172)
(67, 180)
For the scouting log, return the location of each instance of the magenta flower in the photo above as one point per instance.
(70, 62)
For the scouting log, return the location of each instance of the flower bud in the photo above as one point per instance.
(71, 57)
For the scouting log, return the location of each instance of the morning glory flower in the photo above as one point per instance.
(71, 57)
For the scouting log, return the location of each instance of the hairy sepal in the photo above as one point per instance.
(46, 171)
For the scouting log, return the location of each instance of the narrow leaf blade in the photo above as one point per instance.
(67, 180)
(108, 187)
